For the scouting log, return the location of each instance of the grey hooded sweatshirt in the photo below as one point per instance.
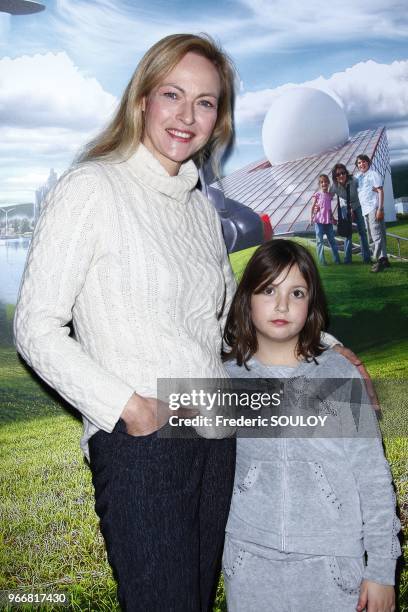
(318, 491)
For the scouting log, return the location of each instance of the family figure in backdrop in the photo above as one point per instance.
(130, 251)
(360, 200)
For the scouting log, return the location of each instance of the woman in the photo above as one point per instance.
(342, 184)
(132, 252)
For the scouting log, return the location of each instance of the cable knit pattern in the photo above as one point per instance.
(136, 259)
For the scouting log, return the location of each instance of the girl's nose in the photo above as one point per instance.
(281, 304)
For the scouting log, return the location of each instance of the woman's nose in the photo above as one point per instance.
(186, 113)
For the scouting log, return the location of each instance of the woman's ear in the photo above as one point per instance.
(143, 104)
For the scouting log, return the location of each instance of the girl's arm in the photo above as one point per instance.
(62, 252)
(314, 208)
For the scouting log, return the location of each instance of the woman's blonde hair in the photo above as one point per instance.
(125, 131)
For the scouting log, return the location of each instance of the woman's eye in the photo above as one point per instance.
(170, 94)
(298, 293)
(207, 104)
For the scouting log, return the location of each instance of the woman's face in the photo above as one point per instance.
(341, 176)
(181, 112)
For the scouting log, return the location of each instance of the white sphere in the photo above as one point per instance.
(302, 122)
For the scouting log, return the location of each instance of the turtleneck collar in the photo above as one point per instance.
(150, 172)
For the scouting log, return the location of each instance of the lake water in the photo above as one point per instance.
(13, 253)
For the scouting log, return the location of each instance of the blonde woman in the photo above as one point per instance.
(132, 253)
(130, 250)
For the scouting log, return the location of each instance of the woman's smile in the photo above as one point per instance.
(179, 135)
(181, 112)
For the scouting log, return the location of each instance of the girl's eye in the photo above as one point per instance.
(269, 290)
(299, 293)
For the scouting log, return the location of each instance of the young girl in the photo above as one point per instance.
(305, 510)
(322, 217)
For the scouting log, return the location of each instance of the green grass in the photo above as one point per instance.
(49, 536)
(398, 228)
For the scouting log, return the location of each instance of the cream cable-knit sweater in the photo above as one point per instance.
(136, 259)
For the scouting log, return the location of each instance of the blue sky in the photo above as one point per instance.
(62, 71)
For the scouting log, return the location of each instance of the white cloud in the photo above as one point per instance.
(371, 94)
(26, 156)
(46, 142)
(49, 90)
(36, 178)
(287, 24)
(109, 32)
(48, 110)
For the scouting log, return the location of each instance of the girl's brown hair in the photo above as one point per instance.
(125, 131)
(265, 265)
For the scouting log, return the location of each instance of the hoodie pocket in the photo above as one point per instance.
(244, 484)
(347, 573)
(257, 497)
(326, 491)
(233, 559)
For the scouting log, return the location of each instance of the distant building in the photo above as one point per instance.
(284, 191)
(42, 191)
(401, 205)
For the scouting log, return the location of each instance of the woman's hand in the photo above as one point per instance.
(144, 415)
(348, 354)
(376, 597)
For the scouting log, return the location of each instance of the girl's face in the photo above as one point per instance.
(363, 165)
(280, 311)
(324, 184)
(181, 112)
(341, 176)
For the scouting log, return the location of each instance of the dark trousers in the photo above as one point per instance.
(163, 505)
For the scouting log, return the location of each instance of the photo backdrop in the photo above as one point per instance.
(62, 72)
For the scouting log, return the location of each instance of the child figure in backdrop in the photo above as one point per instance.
(322, 217)
(371, 196)
(305, 510)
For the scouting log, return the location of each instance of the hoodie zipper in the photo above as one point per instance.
(284, 476)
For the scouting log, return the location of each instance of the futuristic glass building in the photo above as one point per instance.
(284, 190)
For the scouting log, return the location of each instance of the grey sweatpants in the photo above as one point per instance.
(287, 582)
(376, 229)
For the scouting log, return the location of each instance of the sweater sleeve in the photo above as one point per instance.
(377, 498)
(62, 252)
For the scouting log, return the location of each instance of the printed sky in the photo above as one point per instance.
(63, 70)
